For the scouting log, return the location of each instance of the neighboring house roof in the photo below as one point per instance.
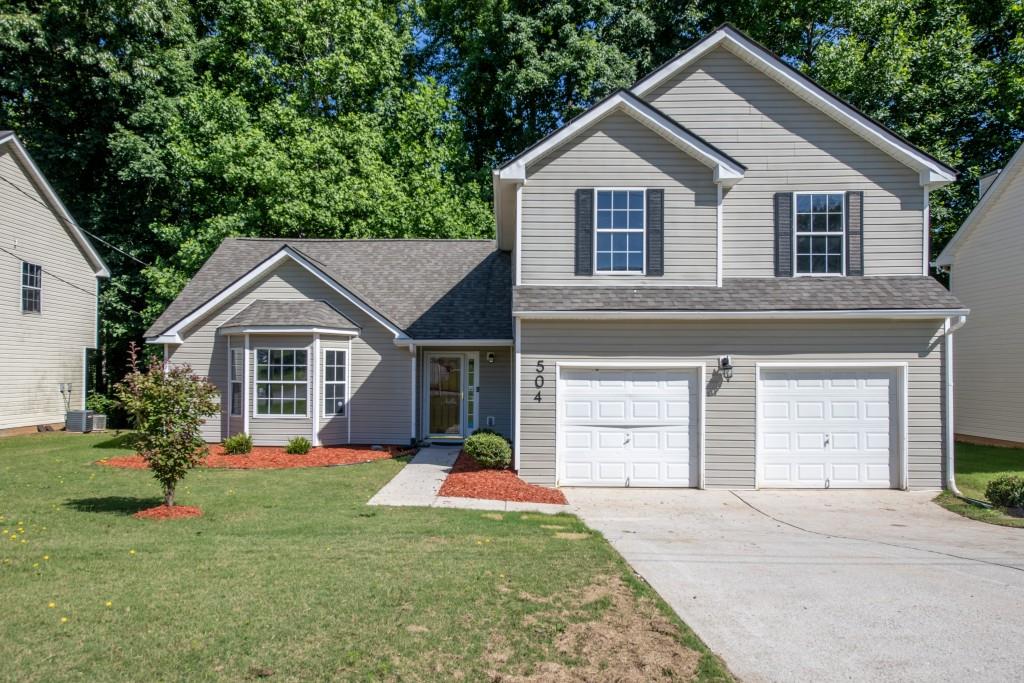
(726, 169)
(988, 199)
(753, 296)
(8, 137)
(285, 313)
(932, 170)
(429, 289)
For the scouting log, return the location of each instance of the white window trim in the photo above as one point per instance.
(232, 381)
(324, 383)
(30, 287)
(841, 233)
(620, 273)
(256, 382)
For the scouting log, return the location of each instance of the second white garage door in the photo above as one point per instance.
(624, 427)
(828, 428)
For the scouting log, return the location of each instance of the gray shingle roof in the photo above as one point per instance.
(748, 294)
(282, 313)
(431, 289)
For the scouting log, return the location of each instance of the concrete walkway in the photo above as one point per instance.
(419, 481)
(827, 585)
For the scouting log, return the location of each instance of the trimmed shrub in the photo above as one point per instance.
(1006, 491)
(298, 445)
(484, 430)
(239, 444)
(489, 450)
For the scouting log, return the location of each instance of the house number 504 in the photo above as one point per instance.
(538, 381)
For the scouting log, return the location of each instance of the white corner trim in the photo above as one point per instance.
(50, 195)
(719, 209)
(315, 398)
(413, 354)
(263, 268)
(726, 170)
(925, 231)
(519, 234)
(816, 96)
(517, 395)
(927, 314)
(987, 201)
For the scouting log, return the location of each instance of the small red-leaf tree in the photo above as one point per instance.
(167, 405)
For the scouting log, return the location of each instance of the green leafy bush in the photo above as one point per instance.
(484, 430)
(489, 450)
(298, 445)
(1006, 491)
(239, 444)
(98, 403)
(167, 406)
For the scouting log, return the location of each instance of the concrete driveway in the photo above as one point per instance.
(827, 585)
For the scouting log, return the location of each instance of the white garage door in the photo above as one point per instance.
(628, 427)
(827, 428)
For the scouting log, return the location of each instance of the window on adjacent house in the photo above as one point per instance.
(335, 379)
(619, 231)
(282, 384)
(236, 383)
(31, 287)
(820, 233)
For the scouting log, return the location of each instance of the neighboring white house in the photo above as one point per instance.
(48, 298)
(985, 260)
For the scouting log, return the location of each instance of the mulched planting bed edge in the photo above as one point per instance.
(467, 479)
(274, 457)
(164, 512)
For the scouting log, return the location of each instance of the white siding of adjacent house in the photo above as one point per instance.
(40, 351)
(730, 406)
(789, 146)
(380, 372)
(988, 278)
(618, 152)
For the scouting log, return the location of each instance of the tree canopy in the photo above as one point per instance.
(167, 125)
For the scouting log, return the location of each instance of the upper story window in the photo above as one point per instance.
(820, 233)
(619, 231)
(31, 287)
(282, 383)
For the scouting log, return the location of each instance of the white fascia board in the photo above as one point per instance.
(266, 266)
(164, 339)
(726, 171)
(454, 343)
(50, 195)
(813, 94)
(890, 314)
(286, 329)
(987, 201)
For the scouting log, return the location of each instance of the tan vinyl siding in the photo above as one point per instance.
(987, 277)
(619, 152)
(730, 408)
(787, 145)
(39, 351)
(380, 375)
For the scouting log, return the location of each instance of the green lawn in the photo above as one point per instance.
(289, 576)
(975, 467)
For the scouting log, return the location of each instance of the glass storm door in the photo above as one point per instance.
(445, 396)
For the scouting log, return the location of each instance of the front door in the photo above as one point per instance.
(451, 395)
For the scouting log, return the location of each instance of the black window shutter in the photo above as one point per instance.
(783, 234)
(655, 232)
(585, 232)
(854, 233)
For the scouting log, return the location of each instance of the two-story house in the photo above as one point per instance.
(717, 278)
(48, 318)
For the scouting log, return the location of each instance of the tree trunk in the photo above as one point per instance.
(169, 496)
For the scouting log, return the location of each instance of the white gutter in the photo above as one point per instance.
(926, 314)
(453, 343)
(949, 327)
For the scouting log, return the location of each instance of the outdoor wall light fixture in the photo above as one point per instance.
(725, 365)
(490, 356)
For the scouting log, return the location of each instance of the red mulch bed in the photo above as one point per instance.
(274, 458)
(164, 512)
(468, 480)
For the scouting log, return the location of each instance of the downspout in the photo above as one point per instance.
(949, 327)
